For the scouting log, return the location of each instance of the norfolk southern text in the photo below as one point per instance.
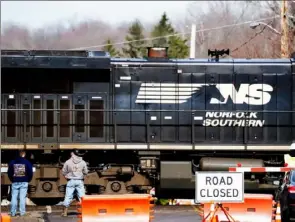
(240, 119)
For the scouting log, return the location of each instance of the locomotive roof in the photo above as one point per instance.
(100, 59)
(193, 61)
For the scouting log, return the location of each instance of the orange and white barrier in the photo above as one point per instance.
(116, 208)
(260, 169)
(256, 207)
(5, 218)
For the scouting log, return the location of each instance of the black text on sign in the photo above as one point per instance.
(219, 187)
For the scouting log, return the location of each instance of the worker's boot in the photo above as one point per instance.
(65, 212)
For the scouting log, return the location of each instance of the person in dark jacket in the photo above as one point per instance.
(20, 173)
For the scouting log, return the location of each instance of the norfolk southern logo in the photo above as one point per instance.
(251, 94)
(172, 93)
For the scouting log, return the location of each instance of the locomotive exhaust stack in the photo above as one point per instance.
(157, 52)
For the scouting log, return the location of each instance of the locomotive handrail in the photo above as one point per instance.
(109, 131)
(152, 110)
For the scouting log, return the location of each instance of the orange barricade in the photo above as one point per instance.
(5, 218)
(256, 207)
(113, 208)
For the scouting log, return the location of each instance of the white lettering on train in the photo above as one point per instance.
(252, 94)
(239, 119)
(232, 122)
(172, 93)
(238, 115)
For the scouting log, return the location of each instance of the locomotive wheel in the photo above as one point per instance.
(46, 201)
(116, 187)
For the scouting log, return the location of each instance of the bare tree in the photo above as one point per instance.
(76, 35)
(274, 8)
(240, 38)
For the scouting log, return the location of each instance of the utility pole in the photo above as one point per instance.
(193, 41)
(285, 31)
(203, 45)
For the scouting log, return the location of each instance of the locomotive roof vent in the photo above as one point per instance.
(158, 52)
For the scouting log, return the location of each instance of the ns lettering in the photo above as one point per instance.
(251, 94)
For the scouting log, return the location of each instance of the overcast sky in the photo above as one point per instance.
(36, 14)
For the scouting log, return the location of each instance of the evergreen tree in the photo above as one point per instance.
(135, 48)
(163, 28)
(178, 47)
(109, 47)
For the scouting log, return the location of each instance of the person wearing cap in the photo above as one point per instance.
(20, 173)
(74, 170)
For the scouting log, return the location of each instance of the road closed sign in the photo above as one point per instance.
(219, 187)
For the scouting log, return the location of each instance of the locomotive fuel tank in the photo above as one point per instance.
(222, 164)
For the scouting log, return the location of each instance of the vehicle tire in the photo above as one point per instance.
(285, 215)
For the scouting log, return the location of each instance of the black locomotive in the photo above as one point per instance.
(143, 123)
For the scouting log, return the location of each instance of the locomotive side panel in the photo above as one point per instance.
(201, 79)
(256, 99)
(188, 130)
(251, 89)
(232, 103)
(217, 74)
(72, 89)
(133, 96)
(130, 126)
(94, 125)
(163, 125)
(271, 105)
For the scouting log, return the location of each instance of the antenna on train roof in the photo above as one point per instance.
(216, 53)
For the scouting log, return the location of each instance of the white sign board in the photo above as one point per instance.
(219, 187)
